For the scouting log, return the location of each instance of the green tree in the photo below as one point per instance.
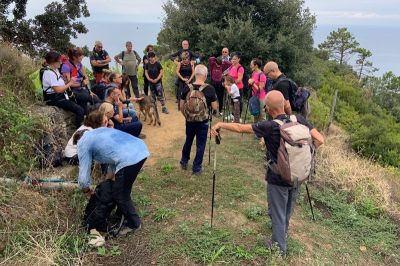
(364, 66)
(273, 29)
(51, 30)
(340, 44)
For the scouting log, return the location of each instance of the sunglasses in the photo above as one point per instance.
(224, 52)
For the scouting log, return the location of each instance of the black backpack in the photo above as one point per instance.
(298, 96)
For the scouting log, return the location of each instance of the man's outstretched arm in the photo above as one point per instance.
(234, 127)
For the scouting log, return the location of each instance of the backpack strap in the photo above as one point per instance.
(202, 87)
(279, 122)
(293, 118)
(122, 55)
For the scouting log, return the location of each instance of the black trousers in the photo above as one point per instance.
(58, 99)
(121, 192)
(146, 85)
(135, 87)
(219, 89)
(83, 98)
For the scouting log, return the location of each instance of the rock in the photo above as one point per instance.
(59, 127)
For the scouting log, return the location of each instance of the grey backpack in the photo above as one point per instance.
(295, 152)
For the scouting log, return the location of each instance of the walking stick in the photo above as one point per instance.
(309, 201)
(209, 142)
(224, 107)
(217, 141)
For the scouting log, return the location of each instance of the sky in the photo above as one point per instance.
(338, 12)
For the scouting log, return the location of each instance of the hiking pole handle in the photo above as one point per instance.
(218, 137)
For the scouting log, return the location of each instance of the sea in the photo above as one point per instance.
(382, 41)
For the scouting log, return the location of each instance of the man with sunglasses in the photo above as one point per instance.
(99, 60)
(225, 55)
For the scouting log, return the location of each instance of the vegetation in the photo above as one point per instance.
(42, 33)
(20, 129)
(277, 30)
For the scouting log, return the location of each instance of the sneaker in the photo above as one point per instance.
(142, 136)
(165, 110)
(197, 173)
(184, 166)
(125, 230)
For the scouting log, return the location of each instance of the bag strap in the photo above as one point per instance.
(202, 87)
(293, 118)
(55, 73)
(122, 55)
(279, 122)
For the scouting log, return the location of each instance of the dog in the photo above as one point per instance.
(148, 107)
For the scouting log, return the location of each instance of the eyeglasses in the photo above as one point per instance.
(224, 52)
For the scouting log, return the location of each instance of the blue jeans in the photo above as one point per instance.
(133, 128)
(198, 130)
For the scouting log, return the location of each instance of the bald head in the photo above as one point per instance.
(271, 69)
(275, 102)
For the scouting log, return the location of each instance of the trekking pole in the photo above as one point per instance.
(223, 107)
(209, 142)
(309, 200)
(247, 108)
(217, 141)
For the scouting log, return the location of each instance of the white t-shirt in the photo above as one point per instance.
(71, 150)
(234, 91)
(52, 78)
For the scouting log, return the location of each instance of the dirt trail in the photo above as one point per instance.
(159, 139)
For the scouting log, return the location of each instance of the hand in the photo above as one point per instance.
(121, 63)
(110, 124)
(251, 82)
(85, 81)
(186, 81)
(72, 80)
(136, 99)
(214, 129)
(128, 119)
(120, 104)
(92, 94)
(88, 192)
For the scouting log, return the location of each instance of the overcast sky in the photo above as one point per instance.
(338, 12)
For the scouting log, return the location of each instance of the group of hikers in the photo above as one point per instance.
(109, 131)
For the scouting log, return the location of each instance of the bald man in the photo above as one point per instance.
(99, 60)
(280, 83)
(280, 195)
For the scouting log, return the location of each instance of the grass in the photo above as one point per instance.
(349, 229)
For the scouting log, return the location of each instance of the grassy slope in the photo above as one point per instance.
(176, 210)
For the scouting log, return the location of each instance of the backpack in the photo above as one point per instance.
(295, 152)
(195, 107)
(298, 96)
(41, 73)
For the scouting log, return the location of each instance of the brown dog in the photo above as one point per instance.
(148, 107)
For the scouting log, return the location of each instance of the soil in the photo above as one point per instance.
(159, 139)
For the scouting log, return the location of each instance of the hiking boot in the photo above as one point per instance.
(125, 230)
(142, 136)
(165, 110)
(273, 246)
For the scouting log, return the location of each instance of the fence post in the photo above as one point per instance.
(332, 113)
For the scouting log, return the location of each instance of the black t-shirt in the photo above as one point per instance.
(269, 130)
(102, 55)
(153, 69)
(282, 86)
(186, 70)
(209, 93)
(192, 55)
